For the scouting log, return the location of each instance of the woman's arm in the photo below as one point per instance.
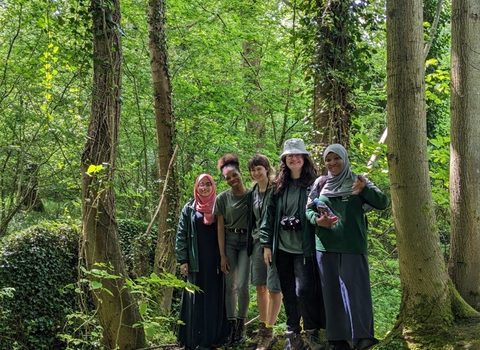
(225, 265)
(181, 247)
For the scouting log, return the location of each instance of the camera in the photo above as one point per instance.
(291, 223)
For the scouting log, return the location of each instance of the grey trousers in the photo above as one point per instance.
(236, 281)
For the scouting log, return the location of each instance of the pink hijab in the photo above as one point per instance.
(205, 204)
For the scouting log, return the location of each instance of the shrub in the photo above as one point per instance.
(138, 248)
(37, 263)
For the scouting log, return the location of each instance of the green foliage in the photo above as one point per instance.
(437, 68)
(37, 263)
(137, 247)
(158, 329)
(439, 161)
(386, 289)
(219, 83)
(43, 108)
(83, 330)
(437, 95)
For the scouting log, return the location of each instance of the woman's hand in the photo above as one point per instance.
(327, 221)
(267, 256)
(359, 184)
(184, 269)
(224, 264)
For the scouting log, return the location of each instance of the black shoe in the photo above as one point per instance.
(231, 334)
(294, 341)
(313, 340)
(340, 345)
(366, 343)
(240, 332)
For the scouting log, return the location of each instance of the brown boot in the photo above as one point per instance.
(252, 343)
(268, 340)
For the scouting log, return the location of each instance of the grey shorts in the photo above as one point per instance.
(261, 274)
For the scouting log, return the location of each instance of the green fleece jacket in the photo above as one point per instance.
(270, 226)
(186, 247)
(349, 235)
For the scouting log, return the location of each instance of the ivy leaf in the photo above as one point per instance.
(94, 169)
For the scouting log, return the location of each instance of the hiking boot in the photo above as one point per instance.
(294, 341)
(340, 345)
(231, 334)
(314, 341)
(240, 332)
(268, 339)
(366, 343)
(252, 343)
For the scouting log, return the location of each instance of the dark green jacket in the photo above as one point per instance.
(186, 246)
(269, 229)
(252, 220)
(349, 235)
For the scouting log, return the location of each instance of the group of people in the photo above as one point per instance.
(275, 237)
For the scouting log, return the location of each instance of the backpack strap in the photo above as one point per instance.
(321, 183)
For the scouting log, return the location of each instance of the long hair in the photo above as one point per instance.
(284, 178)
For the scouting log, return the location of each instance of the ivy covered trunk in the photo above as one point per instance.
(333, 72)
(464, 264)
(117, 311)
(429, 302)
(165, 251)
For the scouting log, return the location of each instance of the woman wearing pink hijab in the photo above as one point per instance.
(203, 313)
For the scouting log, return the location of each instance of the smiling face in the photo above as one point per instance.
(259, 173)
(334, 163)
(294, 162)
(232, 176)
(205, 187)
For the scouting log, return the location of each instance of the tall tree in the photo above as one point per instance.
(117, 311)
(429, 302)
(333, 85)
(464, 264)
(162, 91)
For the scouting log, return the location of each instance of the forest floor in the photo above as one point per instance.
(464, 336)
(467, 335)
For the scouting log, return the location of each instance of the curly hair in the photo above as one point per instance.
(228, 160)
(261, 160)
(307, 177)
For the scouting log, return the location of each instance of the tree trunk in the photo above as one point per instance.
(117, 311)
(165, 251)
(332, 106)
(429, 303)
(251, 66)
(464, 263)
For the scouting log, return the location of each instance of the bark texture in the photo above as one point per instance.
(332, 105)
(165, 251)
(464, 263)
(425, 287)
(117, 311)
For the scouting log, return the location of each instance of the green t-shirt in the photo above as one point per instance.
(291, 241)
(258, 208)
(234, 209)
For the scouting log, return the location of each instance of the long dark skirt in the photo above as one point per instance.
(204, 312)
(346, 291)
